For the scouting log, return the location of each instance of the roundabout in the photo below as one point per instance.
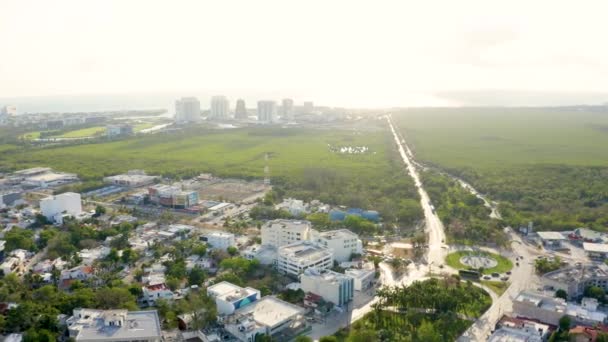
(475, 260)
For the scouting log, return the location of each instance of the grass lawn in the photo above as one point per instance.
(504, 264)
(499, 287)
(142, 126)
(85, 132)
(489, 138)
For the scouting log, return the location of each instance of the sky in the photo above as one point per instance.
(342, 53)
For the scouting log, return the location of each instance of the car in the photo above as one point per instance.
(441, 266)
(508, 272)
(504, 278)
(495, 275)
(487, 277)
(516, 264)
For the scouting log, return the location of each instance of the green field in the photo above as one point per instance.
(84, 132)
(300, 161)
(545, 165)
(499, 287)
(504, 264)
(490, 138)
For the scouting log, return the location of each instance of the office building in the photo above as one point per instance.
(342, 242)
(267, 111)
(54, 208)
(229, 297)
(172, 196)
(187, 110)
(295, 258)
(332, 286)
(548, 309)
(268, 316)
(220, 107)
(220, 240)
(309, 107)
(287, 109)
(279, 233)
(240, 111)
(91, 325)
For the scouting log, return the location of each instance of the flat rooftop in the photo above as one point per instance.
(230, 292)
(305, 251)
(542, 301)
(326, 275)
(578, 273)
(595, 247)
(217, 233)
(138, 325)
(49, 177)
(507, 334)
(359, 272)
(551, 236)
(339, 234)
(291, 224)
(271, 311)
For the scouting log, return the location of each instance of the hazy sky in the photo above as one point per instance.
(336, 52)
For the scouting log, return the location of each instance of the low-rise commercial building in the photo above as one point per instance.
(332, 286)
(549, 310)
(54, 208)
(119, 130)
(279, 233)
(510, 329)
(267, 316)
(295, 258)
(172, 196)
(132, 179)
(90, 325)
(229, 297)
(265, 254)
(342, 242)
(596, 251)
(575, 279)
(552, 240)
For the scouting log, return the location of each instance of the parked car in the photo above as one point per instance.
(495, 275)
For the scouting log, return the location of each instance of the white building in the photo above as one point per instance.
(279, 233)
(229, 297)
(131, 179)
(48, 179)
(295, 258)
(220, 107)
(152, 293)
(89, 256)
(265, 254)
(90, 325)
(187, 110)
(220, 240)
(549, 310)
(332, 286)
(267, 316)
(294, 206)
(363, 277)
(55, 207)
(240, 111)
(596, 251)
(287, 109)
(267, 111)
(342, 242)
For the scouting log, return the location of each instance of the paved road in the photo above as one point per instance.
(522, 277)
(434, 227)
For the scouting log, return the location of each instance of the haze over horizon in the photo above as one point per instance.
(339, 53)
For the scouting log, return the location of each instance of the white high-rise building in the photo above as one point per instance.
(55, 207)
(279, 233)
(287, 109)
(240, 111)
(267, 111)
(342, 242)
(219, 108)
(187, 109)
(6, 112)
